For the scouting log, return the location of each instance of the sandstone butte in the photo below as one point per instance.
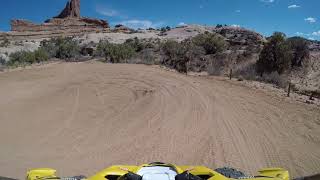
(68, 21)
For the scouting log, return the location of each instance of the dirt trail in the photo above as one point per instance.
(81, 117)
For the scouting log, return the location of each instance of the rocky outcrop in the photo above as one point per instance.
(68, 20)
(81, 24)
(122, 29)
(240, 36)
(72, 9)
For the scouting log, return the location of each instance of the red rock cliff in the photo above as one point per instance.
(72, 9)
(68, 20)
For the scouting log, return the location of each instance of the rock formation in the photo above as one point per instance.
(72, 9)
(68, 21)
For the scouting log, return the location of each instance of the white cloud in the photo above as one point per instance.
(235, 25)
(267, 1)
(316, 33)
(300, 34)
(107, 11)
(201, 7)
(311, 19)
(303, 34)
(310, 36)
(312, 39)
(182, 24)
(143, 24)
(238, 11)
(293, 6)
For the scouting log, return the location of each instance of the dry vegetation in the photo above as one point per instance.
(214, 52)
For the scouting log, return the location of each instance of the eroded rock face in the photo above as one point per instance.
(80, 24)
(68, 20)
(240, 36)
(72, 9)
(122, 29)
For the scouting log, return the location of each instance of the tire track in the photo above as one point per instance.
(92, 115)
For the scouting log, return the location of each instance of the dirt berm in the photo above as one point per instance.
(82, 117)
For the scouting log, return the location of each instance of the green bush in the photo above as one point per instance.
(300, 50)
(41, 55)
(119, 53)
(135, 44)
(27, 57)
(177, 55)
(21, 58)
(50, 47)
(172, 49)
(212, 43)
(148, 57)
(101, 48)
(63, 48)
(67, 48)
(275, 56)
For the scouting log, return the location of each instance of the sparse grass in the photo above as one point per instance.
(247, 72)
(275, 78)
(215, 66)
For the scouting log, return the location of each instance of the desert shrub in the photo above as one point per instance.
(247, 72)
(119, 53)
(50, 47)
(5, 42)
(215, 66)
(118, 25)
(211, 42)
(27, 57)
(18, 43)
(300, 50)
(276, 55)
(165, 29)
(171, 48)
(41, 55)
(148, 57)
(21, 58)
(63, 48)
(67, 48)
(135, 44)
(2, 61)
(101, 48)
(177, 55)
(219, 26)
(274, 78)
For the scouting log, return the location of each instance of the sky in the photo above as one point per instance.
(293, 17)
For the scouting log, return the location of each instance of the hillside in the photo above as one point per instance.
(243, 50)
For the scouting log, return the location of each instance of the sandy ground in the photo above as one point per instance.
(82, 117)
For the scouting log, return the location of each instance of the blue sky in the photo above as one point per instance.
(293, 17)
